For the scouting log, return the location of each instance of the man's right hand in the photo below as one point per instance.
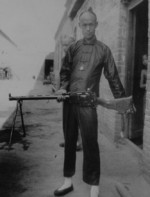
(60, 93)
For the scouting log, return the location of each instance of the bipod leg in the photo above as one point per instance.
(13, 126)
(22, 121)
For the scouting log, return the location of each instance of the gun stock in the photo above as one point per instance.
(121, 105)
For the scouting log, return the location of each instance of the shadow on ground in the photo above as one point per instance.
(12, 170)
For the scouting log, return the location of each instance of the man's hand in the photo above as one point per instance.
(60, 93)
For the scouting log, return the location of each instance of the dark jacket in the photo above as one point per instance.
(82, 67)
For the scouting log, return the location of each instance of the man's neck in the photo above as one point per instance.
(90, 40)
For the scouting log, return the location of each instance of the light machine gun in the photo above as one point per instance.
(19, 104)
(122, 105)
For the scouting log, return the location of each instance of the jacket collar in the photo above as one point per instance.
(92, 41)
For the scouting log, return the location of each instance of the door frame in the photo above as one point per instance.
(130, 60)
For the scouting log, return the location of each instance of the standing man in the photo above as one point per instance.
(81, 72)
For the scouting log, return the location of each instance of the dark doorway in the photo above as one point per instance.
(140, 33)
(48, 67)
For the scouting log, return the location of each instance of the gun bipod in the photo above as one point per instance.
(18, 108)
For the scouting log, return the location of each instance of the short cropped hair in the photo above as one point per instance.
(90, 10)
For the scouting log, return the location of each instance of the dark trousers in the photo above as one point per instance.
(84, 118)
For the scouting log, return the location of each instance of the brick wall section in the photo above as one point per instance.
(111, 18)
(146, 136)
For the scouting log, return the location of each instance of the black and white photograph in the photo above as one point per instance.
(74, 98)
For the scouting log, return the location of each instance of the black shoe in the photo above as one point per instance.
(62, 144)
(62, 192)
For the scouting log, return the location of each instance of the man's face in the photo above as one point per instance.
(88, 25)
(145, 59)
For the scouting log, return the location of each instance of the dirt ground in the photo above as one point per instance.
(33, 166)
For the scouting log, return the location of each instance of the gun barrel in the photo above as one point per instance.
(37, 97)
